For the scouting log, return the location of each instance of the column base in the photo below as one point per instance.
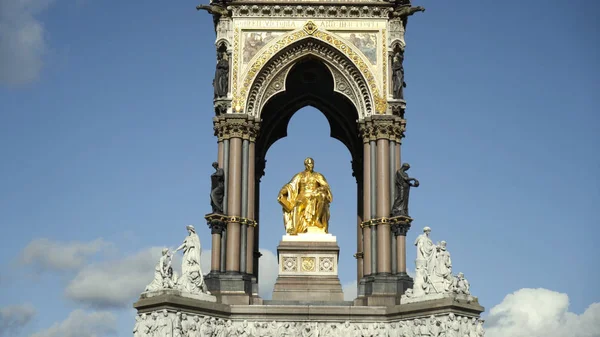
(230, 288)
(382, 289)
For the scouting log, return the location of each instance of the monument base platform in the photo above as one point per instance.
(308, 269)
(275, 316)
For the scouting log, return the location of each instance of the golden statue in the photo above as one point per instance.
(305, 200)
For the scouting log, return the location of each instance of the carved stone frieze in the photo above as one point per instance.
(165, 322)
(311, 11)
(235, 126)
(382, 127)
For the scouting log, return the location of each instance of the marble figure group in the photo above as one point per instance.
(433, 270)
(191, 280)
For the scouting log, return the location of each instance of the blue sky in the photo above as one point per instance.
(106, 144)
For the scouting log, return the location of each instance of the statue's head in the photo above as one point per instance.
(461, 275)
(165, 251)
(426, 230)
(165, 312)
(190, 229)
(309, 164)
(443, 245)
(215, 165)
(405, 166)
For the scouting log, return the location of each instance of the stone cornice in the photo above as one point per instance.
(311, 10)
(382, 127)
(236, 126)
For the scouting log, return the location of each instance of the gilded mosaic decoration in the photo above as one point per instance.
(384, 61)
(365, 42)
(311, 30)
(255, 41)
(236, 57)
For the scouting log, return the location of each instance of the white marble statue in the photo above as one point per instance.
(460, 285)
(433, 273)
(425, 255)
(192, 279)
(441, 276)
(164, 278)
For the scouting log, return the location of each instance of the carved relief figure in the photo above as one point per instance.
(217, 191)
(403, 185)
(305, 201)
(398, 83)
(221, 80)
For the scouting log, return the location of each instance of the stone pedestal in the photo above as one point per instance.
(308, 269)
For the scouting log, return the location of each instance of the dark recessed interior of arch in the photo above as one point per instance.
(309, 82)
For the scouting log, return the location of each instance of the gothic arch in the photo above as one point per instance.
(356, 84)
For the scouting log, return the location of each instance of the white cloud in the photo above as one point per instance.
(15, 317)
(82, 324)
(52, 255)
(541, 313)
(22, 40)
(268, 269)
(350, 290)
(118, 283)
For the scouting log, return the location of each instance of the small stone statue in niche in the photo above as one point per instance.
(398, 74)
(217, 191)
(403, 185)
(221, 81)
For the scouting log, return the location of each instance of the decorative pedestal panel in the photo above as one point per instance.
(308, 269)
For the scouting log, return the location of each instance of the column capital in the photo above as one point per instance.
(216, 223)
(400, 225)
(382, 127)
(236, 126)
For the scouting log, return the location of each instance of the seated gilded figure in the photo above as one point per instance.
(305, 201)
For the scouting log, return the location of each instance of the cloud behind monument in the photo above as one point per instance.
(23, 42)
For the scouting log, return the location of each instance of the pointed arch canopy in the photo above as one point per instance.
(310, 72)
(352, 76)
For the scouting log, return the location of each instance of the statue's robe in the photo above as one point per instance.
(305, 201)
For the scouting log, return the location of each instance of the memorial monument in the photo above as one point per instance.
(344, 57)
